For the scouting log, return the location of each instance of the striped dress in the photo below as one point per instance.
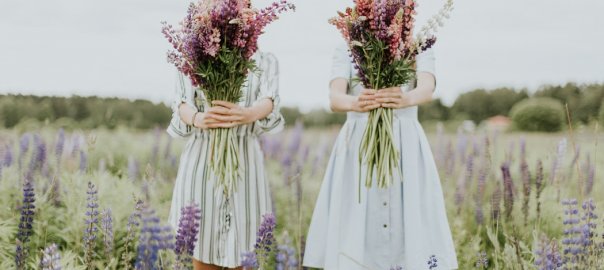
(228, 226)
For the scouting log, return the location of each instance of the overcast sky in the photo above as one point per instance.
(115, 48)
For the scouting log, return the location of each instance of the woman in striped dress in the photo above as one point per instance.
(228, 226)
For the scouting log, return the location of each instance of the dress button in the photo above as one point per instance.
(385, 226)
(385, 203)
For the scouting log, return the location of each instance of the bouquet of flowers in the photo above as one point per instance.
(379, 34)
(214, 47)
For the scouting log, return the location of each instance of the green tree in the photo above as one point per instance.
(538, 114)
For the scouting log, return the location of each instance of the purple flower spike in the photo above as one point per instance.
(249, 261)
(51, 259)
(153, 239)
(107, 229)
(186, 237)
(92, 220)
(25, 225)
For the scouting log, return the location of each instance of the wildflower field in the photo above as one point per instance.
(99, 199)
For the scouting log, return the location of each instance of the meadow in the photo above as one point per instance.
(99, 199)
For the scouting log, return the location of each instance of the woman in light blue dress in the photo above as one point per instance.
(403, 225)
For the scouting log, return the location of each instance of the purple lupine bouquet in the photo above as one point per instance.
(213, 47)
(379, 34)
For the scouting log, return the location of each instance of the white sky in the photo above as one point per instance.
(115, 48)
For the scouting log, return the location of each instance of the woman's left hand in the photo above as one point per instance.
(229, 114)
(393, 98)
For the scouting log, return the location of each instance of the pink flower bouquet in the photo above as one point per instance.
(214, 47)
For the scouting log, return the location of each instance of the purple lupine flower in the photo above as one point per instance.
(432, 262)
(558, 160)
(91, 220)
(464, 182)
(186, 237)
(107, 230)
(265, 240)
(23, 147)
(60, 145)
(25, 225)
(133, 223)
(526, 185)
(249, 260)
(589, 226)
(508, 190)
(83, 161)
(450, 159)
(548, 257)
(153, 239)
(539, 185)
(51, 259)
(7, 159)
(462, 145)
(572, 233)
(496, 202)
(480, 188)
(39, 156)
(286, 256)
(589, 172)
(482, 262)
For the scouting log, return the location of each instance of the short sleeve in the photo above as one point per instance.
(341, 64)
(177, 127)
(425, 62)
(269, 88)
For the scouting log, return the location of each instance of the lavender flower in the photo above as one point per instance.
(107, 229)
(265, 240)
(432, 262)
(133, 223)
(153, 239)
(526, 185)
(186, 237)
(558, 160)
(286, 256)
(51, 259)
(249, 260)
(572, 232)
(7, 159)
(496, 202)
(91, 220)
(482, 262)
(508, 190)
(23, 147)
(25, 225)
(548, 257)
(539, 186)
(60, 145)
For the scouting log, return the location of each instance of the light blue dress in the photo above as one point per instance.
(403, 225)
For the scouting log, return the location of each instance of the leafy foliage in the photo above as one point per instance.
(538, 114)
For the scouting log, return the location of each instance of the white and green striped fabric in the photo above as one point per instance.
(228, 226)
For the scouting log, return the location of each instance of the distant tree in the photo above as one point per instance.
(538, 114)
(475, 104)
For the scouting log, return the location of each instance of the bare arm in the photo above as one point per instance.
(342, 102)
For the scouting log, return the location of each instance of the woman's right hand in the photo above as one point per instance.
(365, 101)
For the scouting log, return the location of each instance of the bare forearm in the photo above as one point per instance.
(186, 112)
(424, 91)
(260, 110)
(341, 102)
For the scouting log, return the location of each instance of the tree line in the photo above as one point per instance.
(584, 103)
